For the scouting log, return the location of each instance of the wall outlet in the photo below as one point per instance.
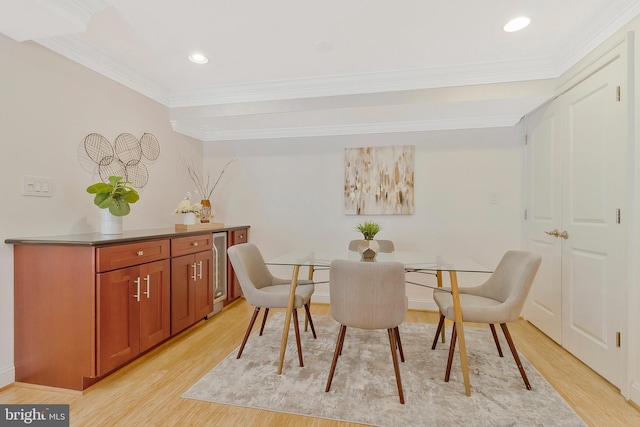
(37, 186)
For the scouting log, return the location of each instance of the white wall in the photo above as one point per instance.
(291, 193)
(48, 104)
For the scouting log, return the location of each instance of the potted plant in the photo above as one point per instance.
(116, 195)
(368, 248)
(189, 210)
(114, 199)
(368, 229)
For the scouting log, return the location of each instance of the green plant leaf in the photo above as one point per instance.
(119, 207)
(131, 197)
(99, 187)
(102, 200)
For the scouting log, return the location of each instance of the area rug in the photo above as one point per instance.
(364, 386)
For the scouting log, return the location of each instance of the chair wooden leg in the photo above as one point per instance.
(394, 356)
(440, 325)
(507, 335)
(246, 334)
(308, 318)
(342, 342)
(296, 328)
(336, 354)
(399, 343)
(495, 338)
(264, 320)
(452, 349)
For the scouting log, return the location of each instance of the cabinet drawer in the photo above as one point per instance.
(191, 244)
(240, 236)
(121, 256)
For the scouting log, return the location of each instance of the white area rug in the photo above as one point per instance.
(364, 388)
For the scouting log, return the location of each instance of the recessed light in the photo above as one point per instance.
(517, 24)
(198, 58)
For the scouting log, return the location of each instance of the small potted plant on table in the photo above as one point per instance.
(114, 199)
(368, 247)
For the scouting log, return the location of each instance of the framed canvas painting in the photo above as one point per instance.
(379, 180)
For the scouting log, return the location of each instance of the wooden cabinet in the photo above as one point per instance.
(87, 304)
(132, 302)
(192, 272)
(133, 312)
(234, 291)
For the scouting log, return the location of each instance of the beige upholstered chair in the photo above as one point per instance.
(386, 246)
(261, 289)
(368, 295)
(499, 300)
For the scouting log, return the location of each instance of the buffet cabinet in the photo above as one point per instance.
(85, 305)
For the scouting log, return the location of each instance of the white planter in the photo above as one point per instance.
(109, 223)
(368, 249)
(189, 218)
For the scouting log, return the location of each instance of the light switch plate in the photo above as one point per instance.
(37, 186)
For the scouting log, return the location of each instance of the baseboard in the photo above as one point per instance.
(634, 393)
(7, 375)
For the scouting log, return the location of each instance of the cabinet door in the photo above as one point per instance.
(234, 290)
(118, 314)
(183, 276)
(204, 284)
(155, 308)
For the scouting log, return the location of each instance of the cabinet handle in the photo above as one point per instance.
(195, 243)
(200, 275)
(194, 272)
(140, 253)
(554, 233)
(137, 295)
(148, 293)
(564, 234)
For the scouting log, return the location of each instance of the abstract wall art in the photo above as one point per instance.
(379, 180)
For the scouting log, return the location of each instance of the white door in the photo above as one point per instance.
(576, 183)
(544, 214)
(594, 137)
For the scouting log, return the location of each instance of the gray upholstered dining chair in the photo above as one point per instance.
(368, 295)
(497, 301)
(262, 289)
(386, 246)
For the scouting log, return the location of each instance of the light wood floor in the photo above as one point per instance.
(147, 391)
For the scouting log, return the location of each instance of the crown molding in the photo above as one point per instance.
(353, 129)
(375, 82)
(75, 48)
(586, 40)
(83, 9)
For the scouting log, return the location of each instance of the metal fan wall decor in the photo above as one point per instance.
(125, 157)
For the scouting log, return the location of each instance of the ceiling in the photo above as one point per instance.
(291, 68)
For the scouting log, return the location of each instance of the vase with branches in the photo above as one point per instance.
(205, 185)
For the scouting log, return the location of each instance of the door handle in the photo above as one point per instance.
(556, 233)
(148, 293)
(137, 295)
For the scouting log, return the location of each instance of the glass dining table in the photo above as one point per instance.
(435, 262)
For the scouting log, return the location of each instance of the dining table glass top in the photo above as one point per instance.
(412, 260)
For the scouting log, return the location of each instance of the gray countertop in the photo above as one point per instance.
(97, 239)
